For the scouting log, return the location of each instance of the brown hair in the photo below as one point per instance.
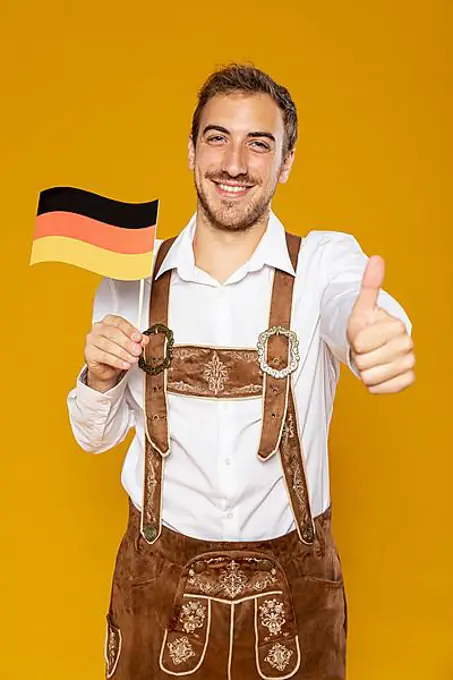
(244, 78)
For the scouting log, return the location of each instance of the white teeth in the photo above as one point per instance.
(233, 190)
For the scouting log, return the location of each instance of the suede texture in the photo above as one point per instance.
(163, 595)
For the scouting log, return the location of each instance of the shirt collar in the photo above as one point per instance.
(181, 256)
(272, 250)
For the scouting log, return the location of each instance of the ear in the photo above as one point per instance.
(286, 167)
(191, 151)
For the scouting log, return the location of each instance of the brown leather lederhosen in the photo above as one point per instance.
(226, 610)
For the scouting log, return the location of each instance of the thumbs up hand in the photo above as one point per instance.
(382, 349)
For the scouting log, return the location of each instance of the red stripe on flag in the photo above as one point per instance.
(82, 228)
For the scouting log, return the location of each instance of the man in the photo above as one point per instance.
(228, 569)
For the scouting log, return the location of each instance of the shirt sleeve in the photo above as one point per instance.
(100, 420)
(344, 266)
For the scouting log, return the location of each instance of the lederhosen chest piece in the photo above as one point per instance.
(226, 373)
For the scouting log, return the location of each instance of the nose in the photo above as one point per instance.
(234, 160)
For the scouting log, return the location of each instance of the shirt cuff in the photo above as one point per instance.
(93, 398)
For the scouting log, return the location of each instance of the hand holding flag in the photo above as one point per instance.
(109, 238)
(112, 347)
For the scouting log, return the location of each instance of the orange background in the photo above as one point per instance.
(100, 95)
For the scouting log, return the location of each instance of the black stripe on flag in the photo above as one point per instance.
(116, 213)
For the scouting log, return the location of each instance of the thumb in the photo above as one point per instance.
(372, 281)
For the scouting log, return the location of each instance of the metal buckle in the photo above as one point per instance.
(293, 363)
(166, 360)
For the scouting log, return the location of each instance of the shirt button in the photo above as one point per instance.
(229, 515)
(228, 461)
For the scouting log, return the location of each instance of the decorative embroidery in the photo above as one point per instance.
(279, 656)
(231, 581)
(272, 616)
(180, 650)
(185, 388)
(251, 357)
(192, 615)
(112, 649)
(265, 581)
(288, 431)
(299, 487)
(183, 353)
(152, 491)
(216, 373)
(293, 466)
(209, 372)
(181, 386)
(201, 583)
(247, 389)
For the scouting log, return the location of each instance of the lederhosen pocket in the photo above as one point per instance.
(232, 580)
(112, 650)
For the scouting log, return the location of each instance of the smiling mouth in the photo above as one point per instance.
(232, 190)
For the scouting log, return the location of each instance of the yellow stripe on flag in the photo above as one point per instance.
(98, 260)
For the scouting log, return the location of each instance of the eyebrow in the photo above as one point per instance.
(257, 133)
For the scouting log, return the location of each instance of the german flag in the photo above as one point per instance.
(108, 237)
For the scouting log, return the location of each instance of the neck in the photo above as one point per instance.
(220, 252)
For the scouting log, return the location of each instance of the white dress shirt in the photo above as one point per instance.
(215, 487)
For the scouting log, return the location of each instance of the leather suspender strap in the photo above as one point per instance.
(157, 442)
(280, 425)
(277, 355)
(156, 420)
(292, 459)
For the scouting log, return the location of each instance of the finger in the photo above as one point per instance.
(380, 374)
(116, 334)
(385, 354)
(103, 344)
(372, 281)
(395, 385)
(99, 356)
(378, 334)
(124, 325)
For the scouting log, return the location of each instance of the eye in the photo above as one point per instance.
(215, 139)
(260, 146)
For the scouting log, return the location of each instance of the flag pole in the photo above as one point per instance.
(141, 296)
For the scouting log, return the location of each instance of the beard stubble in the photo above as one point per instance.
(227, 217)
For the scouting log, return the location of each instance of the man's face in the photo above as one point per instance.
(238, 159)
